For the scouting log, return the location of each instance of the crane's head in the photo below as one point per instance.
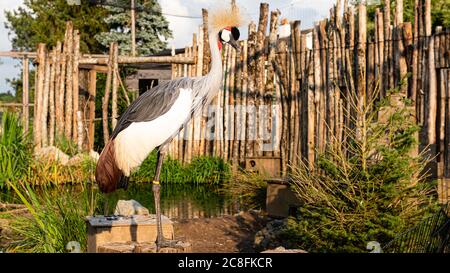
(229, 35)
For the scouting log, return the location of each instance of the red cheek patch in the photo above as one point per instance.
(219, 44)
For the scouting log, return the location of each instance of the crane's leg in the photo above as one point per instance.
(160, 240)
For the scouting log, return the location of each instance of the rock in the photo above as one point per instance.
(94, 155)
(281, 249)
(51, 154)
(130, 207)
(76, 160)
(268, 237)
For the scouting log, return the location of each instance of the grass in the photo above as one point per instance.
(249, 188)
(211, 170)
(15, 149)
(56, 217)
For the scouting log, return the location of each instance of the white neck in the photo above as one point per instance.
(216, 56)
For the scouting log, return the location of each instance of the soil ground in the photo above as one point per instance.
(222, 234)
(226, 234)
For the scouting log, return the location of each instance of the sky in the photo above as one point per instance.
(308, 11)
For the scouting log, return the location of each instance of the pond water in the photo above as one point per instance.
(178, 201)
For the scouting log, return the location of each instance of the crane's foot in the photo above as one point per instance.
(168, 244)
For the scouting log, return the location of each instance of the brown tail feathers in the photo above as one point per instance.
(107, 174)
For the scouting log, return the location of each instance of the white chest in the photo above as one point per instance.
(135, 143)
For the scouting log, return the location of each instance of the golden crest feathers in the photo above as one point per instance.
(220, 18)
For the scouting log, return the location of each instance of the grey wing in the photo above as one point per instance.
(152, 104)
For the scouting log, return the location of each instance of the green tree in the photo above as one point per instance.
(151, 26)
(42, 21)
(440, 12)
(370, 187)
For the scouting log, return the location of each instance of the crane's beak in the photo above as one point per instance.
(234, 44)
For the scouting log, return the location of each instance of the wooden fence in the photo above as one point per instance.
(300, 84)
(283, 96)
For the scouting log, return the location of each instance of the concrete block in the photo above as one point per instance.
(104, 230)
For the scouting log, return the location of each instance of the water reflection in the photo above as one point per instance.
(180, 201)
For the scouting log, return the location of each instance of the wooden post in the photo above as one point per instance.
(206, 50)
(92, 95)
(76, 78)
(115, 85)
(69, 83)
(58, 103)
(251, 91)
(46, 90)
(415, 55)
(37, 123)
(270, 83)
(387, 41)
(60, 116)
(105, 101)
(244, 126)
(25, 94)
(260, 72)
(432, 84)
(52, 98)
(133, 29)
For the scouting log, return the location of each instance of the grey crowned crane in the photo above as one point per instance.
(153, 119)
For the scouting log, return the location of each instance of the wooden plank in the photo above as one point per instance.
(115, 87)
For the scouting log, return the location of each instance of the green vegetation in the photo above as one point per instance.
(370, 187)
(150, 26)
(56, 218)
(249, 188)
(211, 170)
(42, 21)
(15, 149)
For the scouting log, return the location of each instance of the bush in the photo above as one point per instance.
(369, 187)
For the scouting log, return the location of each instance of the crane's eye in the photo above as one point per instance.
(225, 35)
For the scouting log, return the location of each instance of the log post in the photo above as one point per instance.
(25, 94)
(92, 96)
(115, 85)
(52, 98)
(69, 83)
(44, 117)
(432, 81)
(105, 101)
(76, 79)
(206, 50)
(40, 74)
